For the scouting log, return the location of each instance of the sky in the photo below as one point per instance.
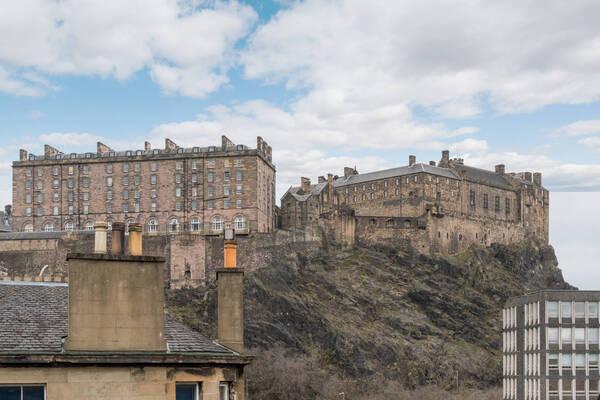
(327, 83)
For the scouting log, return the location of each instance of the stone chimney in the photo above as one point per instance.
(259, 144)
(537, 178)
(412, 160)
(170, 145)
(50, 151)
(269, 153)
(500, 169)
(528, 176)
(445, 161)
(116, 302)
(349, 171)
(432, 163)
(102, 148)
(230, 298)
(147, 146)
(23, 155)
(322, 179)
(330, 192)
(225, 142)
(305, 184)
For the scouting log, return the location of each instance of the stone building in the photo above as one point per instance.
(438, 207)
(174, 189)
(105, 335)
(551, 346)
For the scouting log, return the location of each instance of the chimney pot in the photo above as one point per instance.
(147, 146)
(100, 235)
(135, 239)
(445, 161)
(412, 160)
(500, 169)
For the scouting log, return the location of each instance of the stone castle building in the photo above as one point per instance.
(174, 189)
(438, 207)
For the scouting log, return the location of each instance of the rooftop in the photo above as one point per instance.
(34, 318)
(394, 172)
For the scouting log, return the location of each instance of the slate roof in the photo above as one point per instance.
(393, 172)
(33, 319)
(315, 189)
(490, 178)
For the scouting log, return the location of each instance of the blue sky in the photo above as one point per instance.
(327, 83)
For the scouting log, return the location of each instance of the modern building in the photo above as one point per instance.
(551, 346)
(105, 335)
(173, 189)
(438, 207)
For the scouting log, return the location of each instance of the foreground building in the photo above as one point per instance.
(173, 189)
(104, 335)
(438, 207)
(551, 346)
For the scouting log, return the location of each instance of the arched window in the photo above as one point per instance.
(173, 225)
(89, 226)
(127, 223)
(152, 226)
(217, 223)
(195, 224)
(28, 227)
(69, 226)
(239, 222)
(49, 227)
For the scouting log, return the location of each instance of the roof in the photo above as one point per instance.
(34, 318)
(315, 189)
(483, 176)
(394, 172)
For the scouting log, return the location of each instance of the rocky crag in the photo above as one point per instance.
(386, 312)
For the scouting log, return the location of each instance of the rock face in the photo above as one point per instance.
(386, 312)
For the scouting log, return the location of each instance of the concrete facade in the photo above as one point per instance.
(551, 346)
(438, 207)
(174, 189)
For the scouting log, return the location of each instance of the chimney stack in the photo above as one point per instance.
(23, 155)
(230, 298)
(500, 169)
(528, 177)
(330, 192)
(432, 163)
(100, 236)
(349, 171)
(102, 148)
(170, 145)
(537, 178)
(117, 238)
(147, 146)
(135, 239)
(322, 179)
(305, 184)
(412, 160)
(445, 161)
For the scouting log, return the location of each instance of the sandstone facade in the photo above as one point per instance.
(199, 190)
(438, 207)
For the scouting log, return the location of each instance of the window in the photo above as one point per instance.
(210, 163)
(86, 209)
(137, 167)
(27, 184)
(485, 201)
(173, 225)
(179, 206)
(580, 335)
(108, 208)
(70, 170)
(153, 179)
(567, 386)
(126, 168)
(177, 192)
(152, 226)
(109, 181)
(195, 224)
(579, 309)
(553, 335)
(593, 335)
(136, 206)
(54, 210)
(28, 172)
(226, 203)
(226, 190)
(238, 189)
(125, 207)
(55, 196)
(217, 223)
(552, 309)
(153, 206)
(126, 195)
(49, 227)
(28, 211)
(553, 360)
(153, 166)
(566, 360)
(507, 206)
(553, 385)
(238, 203)
(69, 226)
(472, 198)
(186, 391)
(593, 310)
(28, 228)
(566, 335)
(28, 198)
(89, 226)
(86, 169)
(226, 176)
(580, 361)
(194, 205)
(55, 183)
(497, 203)
(210, 204)
(239, 175)
(179, 165)
(239, 222)
(224, 391)
(565, 310)
(194, 178)
(593, 361)
(109, 168)
(238, 163)
(194, 164)
(177, 178)
(125, 181)
(137, 180)
(210, 177)
(22, 392)
(55, 171)
(210, 191)
(40, 211)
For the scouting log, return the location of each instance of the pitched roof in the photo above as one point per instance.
(483, 176)
(34, 318)
(394, 172)
(315, 189)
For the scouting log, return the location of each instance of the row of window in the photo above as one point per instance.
(509, 365)
(570, 336)
(573, 387)
(531, 364)
(579, 361)
(572, 309)
(473, 202)
(531, 339)
(509, 317)
(509, 341)
(531, 313)
(509, 388)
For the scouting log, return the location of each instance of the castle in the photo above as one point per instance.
(437, 207)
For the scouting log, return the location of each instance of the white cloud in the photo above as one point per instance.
(187, 46)
(457, 58)
(591, 142)
(70, 138)
(579, 128)
(469, 146)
